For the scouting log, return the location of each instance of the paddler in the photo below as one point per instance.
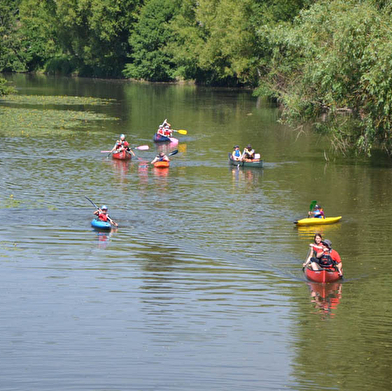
(236, 154)
(161, 157)
(318, 212)
(102, 214)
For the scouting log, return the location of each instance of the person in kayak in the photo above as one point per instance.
(318, 212)
(122, 145)
(102, 215)
(236, 154)
(249, 154)
(161, 157)
(314, 249)
(327, 258)
(167, 128)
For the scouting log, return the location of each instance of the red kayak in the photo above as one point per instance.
(162, 164)
(123, 155)
(322, 276)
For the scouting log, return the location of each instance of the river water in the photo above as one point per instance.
(201, 286)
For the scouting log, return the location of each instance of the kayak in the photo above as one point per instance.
(322, 276)
(99, 224)
(313, 220)
(256, 163)
(162, 164)
(123, 155)
(159, 138)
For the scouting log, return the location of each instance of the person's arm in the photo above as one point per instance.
(112, 222)
(154, 160)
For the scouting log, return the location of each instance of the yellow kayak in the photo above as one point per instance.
(313, 220)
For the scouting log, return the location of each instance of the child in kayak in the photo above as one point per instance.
(318, 212)
(102, 214)
(122, 145)
(236, 154)
(161, 157)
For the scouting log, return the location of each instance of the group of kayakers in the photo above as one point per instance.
(248, 154)
(321, 255)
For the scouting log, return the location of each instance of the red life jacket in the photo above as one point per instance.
(103, 217)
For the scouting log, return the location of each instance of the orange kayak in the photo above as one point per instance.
(162, 164)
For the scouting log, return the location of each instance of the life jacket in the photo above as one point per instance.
(326, 261)
(237, 153)
(318, 213)
(103, 217)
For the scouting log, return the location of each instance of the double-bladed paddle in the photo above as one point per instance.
(140, 148)
(181, 131)
(111, 221)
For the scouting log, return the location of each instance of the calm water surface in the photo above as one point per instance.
(201, 286)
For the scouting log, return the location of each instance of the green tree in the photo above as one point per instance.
(334, 58)
(150, 57)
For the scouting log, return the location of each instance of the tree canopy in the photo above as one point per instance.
(314, 58)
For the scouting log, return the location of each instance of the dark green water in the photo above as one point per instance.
(201, 287)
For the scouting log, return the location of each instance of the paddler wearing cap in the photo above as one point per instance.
(236, 154)
(327, 258)
(318, 212)
(249, 154)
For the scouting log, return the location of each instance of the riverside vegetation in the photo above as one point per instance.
(328, 60)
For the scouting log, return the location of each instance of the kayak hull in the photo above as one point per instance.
(162, 164)
(314, 221)
(123, 155)
(99, 224)
(255, 164)
(158, 138)
(322, 276)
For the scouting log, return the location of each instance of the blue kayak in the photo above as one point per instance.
(96, 223)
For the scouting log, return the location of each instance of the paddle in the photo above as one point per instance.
(111, 221)
(181, 131)
(140, 148)
(173, 153)
(312, 205)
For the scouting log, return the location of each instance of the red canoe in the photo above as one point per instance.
(162, 164)
(123, 155)
(322, 276)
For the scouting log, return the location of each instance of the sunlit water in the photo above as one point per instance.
(201, 287)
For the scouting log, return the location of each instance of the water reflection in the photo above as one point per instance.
(104, 237)
(308, 231)
(326, 297)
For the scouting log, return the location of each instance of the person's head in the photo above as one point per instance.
(236, 147)
(327, 243)
(104, 209)
(161, 154)
(249, 147)
(318, 238)
(122, 137)
(317, 207)
(160, 126)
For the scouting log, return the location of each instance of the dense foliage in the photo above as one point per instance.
(318, 59)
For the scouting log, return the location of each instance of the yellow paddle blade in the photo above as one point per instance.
(182, 131)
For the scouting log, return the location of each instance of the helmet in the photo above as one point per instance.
(104, 207)
(122, 136)
(328, 243)
(236, 146)
(317, 207)
(249, 146)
